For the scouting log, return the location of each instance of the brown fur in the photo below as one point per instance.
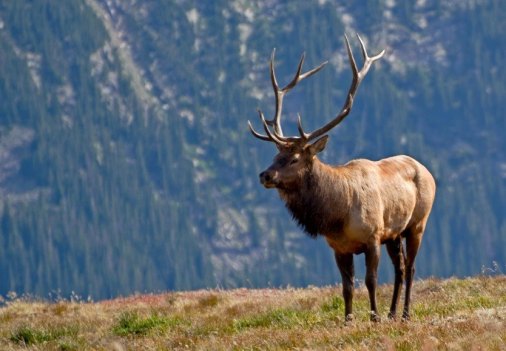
(357, 207)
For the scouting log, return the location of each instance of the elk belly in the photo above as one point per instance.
(341, 245)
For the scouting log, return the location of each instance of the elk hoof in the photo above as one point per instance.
(392, 316)
(348, 318)
(375, 317)
(406, 317)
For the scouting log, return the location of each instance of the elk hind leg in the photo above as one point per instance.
(396, 252)
(413, 241)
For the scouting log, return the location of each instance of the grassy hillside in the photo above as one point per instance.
(450, 314)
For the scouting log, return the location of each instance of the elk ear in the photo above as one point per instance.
(318, 145)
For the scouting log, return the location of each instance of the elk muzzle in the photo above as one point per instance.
(269, 178)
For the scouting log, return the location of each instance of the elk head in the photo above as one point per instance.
(291, 164)
(296, 153)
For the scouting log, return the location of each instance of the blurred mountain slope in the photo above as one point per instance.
(126, 164)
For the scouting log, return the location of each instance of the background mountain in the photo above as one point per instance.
(126, 164)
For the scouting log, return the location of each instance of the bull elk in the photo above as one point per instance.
(358, 206)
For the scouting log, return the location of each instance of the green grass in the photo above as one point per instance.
(334, 305)
(26, 335)
(279, 318)
(132, 324)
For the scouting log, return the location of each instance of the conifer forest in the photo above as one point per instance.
(126, 164)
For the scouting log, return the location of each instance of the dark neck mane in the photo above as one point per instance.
(316, 204)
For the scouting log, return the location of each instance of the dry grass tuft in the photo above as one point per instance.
(456, 314)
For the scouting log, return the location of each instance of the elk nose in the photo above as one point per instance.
(265, 177)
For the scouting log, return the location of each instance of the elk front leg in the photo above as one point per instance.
(372, 256)
(347, 269)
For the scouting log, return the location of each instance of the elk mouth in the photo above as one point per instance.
(269, 185)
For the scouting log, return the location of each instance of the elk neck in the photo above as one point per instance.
(320, 203)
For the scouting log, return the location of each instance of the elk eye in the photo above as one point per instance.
(294, 161)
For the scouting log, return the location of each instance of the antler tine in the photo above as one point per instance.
(256, 134)
(368, 61)
(313, 71)
(358, 76)
(272, 136)
(278, 96)
(303, 135)
(353, 64)
(273, 74)
(297, 77)
(364, 51)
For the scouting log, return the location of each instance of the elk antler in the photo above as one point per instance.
(277, 135)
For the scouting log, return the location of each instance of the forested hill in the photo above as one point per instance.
(126, 164)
